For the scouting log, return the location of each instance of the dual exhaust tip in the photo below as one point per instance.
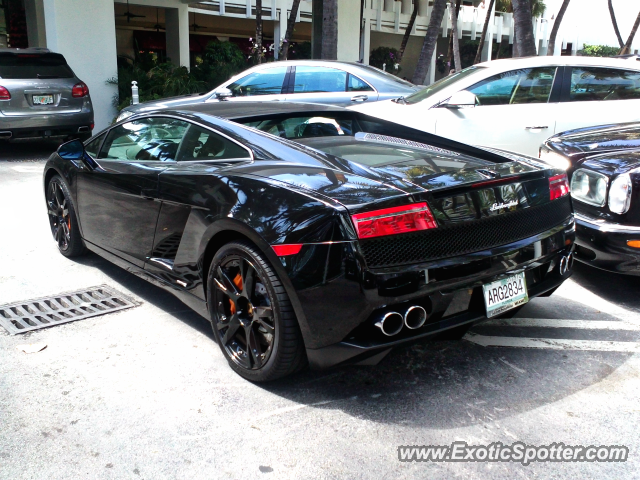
(566, 263)
(391, 323)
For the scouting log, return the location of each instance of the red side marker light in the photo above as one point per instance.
(558, 186)
(394, 220)
(287, 249)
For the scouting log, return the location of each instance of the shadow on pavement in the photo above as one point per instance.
(433, 384)
(613, 287)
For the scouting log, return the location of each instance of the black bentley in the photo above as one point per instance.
(310, 233)
(603, 164)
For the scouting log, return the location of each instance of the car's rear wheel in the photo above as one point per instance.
(62, 218)
(252, 317)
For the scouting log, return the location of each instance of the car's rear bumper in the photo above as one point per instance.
(53, 125)
(340, 314)
(370, 352)
(604, 245)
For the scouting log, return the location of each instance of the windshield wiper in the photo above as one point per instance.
(399, 100)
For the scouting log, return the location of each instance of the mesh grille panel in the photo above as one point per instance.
(464, 238)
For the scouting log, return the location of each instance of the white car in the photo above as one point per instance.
(516, 104)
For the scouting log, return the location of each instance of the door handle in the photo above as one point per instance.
(359, 98)
(543, 127)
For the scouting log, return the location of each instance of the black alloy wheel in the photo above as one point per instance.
(62, 218)
(253, 320)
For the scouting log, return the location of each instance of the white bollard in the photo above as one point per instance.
(135, 98)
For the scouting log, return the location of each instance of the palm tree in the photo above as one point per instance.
(407, 32)
(615, 24)
(485, 27)
(455, 44)
(523, 21)
(258, 47)
(556, 26)
(291, 21)
(430, 39)
(627, 46)
(329, 46)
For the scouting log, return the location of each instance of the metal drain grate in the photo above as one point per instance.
(50, 311)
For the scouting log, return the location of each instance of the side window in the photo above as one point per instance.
(154, 138)
(589, 84)
(92, 147)
(202, 144)
(357, 85)
(265, 82)
(527, 85)
(319, 79)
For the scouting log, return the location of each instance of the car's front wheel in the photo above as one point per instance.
(62, 218)
(252, 317)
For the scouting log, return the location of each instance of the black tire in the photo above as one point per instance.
(62, 218)
(257, 309)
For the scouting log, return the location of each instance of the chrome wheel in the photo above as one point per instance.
(244, 320)
(59, 215)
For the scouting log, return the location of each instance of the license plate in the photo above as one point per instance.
(43, 99)
(505, 294)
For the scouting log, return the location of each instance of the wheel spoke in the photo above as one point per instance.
(269, 328)
(263, 312)
(60, 202)
(226, 291)
(253, 344)
(248, 279)
(234, 325)
(226, 282)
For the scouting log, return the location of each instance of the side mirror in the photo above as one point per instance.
(461, 99)
(223, 93)
(73, 150)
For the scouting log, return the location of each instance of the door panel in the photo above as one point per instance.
(513, 112)
(118, 202)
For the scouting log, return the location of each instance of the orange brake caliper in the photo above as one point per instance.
(237, 281)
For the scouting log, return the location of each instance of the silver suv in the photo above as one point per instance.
(40, 96)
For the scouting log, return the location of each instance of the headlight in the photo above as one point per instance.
(620, 194)
(553, 158)
(589, 187)
(124, 114)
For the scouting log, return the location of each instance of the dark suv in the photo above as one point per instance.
(40, 96)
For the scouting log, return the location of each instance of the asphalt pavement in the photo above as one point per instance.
(146, 394)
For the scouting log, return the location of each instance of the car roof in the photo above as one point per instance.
(525, 62)
(232, 110)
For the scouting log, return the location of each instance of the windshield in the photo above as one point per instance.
(389, 77)
(29, 65)
(441, 84)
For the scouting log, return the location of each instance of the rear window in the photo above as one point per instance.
(29, 66)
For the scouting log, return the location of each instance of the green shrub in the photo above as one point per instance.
(385, 55)
(599, 51)
(219, 62)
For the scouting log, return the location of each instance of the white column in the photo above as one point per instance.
(348, 31)
(366, 42)
(407, 7)
(177, 33)
(85, 33)
(432, 67)
(423, 8)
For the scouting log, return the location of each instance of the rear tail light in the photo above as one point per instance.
(287, 249)
(4, 94)
(80, 90)
(558, 186)
(391, 221)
